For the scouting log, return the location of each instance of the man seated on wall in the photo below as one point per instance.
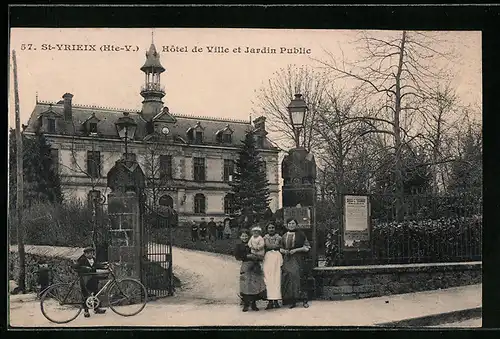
(87, 264)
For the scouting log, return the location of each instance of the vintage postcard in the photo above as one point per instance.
(190, 177)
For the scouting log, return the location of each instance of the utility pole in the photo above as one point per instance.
(19, 183)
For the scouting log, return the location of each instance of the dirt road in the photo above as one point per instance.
(206, 277)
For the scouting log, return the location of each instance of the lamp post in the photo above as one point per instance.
(299, 174)
(297, 110)
(126, 126)
(125, 207)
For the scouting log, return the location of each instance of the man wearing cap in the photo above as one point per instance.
(89, 283)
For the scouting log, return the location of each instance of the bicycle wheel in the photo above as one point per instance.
(127, 297)
(61, 303)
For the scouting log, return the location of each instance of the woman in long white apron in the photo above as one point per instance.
(272, 266)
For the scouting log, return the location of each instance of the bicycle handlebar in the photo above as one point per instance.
(105, 266)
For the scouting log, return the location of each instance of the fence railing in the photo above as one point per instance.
(434, 229)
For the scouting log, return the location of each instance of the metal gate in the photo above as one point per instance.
(100, 229)
(156, 263)
(155, 245)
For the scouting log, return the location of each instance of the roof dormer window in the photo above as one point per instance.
(225, 135)
(48, 120)
(51, 125)
(90, 125)
(198, 137)
(195, 134)
(227, 138)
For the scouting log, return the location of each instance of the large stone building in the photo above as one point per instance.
(188, 160)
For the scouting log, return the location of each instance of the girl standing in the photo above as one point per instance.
(272, 267)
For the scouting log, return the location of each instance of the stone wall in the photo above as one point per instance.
(353, 282)
(59, 260)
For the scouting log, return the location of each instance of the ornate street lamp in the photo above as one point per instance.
(299, 174)
(125, 127)
(297, 110)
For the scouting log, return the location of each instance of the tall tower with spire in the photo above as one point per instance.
(152, 91)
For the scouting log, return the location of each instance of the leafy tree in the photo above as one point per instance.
(41, 179)
(250, 185)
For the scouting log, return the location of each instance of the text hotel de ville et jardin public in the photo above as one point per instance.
(168, 48)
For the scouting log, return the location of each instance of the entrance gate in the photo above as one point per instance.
(156, 247)
(156, 261)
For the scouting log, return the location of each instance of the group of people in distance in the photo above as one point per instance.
(210, 231)
(272, 266)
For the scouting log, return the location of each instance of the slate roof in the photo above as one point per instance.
(152, 61)
(108, 116)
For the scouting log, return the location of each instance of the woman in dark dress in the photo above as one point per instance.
(294, 247)
(252, 286)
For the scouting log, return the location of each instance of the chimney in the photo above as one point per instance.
(67, 106)
(260, 123)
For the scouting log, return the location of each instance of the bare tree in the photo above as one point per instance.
(395, 75)
(157, 173)
(336, 139)
(273, 99)
(437, 125)
(91, 169)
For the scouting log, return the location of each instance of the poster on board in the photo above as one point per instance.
(356, 230)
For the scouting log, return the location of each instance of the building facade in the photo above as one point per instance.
(188, 160)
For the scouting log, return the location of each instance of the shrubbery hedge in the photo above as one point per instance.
(412, 241)
(424, 206)
(69, 224)
(182, 238)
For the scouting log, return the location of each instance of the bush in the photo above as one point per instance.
(69, 224)
(412, 241)
(60, 269)
(423, 206)
(182, 238)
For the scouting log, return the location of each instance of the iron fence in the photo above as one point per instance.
(433, 229)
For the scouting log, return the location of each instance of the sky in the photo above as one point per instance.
(196, 82)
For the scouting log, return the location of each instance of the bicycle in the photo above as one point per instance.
(68, 297)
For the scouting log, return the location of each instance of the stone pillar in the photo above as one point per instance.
(299, 176)
(125, 237)
(126, 245)
(299, 196)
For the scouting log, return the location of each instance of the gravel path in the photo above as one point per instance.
(361, 312)
(205, 277)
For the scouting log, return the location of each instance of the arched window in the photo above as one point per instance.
(199, 203)
(166, 200)
(229, 204)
